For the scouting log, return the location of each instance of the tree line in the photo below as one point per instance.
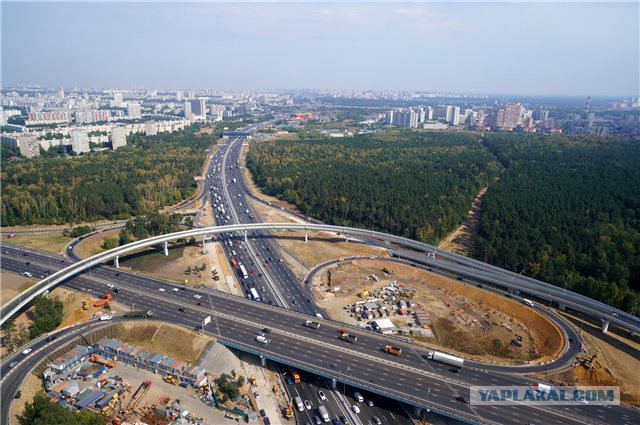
(147, 174)
(418, 185)
(566, 211)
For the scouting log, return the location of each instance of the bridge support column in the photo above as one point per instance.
(561, 307)
(346, 237)
(263, 361)
(306, 236)
(166, 248)
(604, 325)
(334, 383)
(116, 262)
(246, 236)
(418, 412)
(204, 242)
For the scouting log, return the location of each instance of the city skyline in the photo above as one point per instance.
(572, 49)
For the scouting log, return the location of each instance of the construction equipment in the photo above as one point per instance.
(84, 305)
(104, 301)
(363, 293)
(137, 397)
(108, 363)
(288, 411)
(170, 379)
(294, 375)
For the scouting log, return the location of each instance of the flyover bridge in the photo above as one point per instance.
(484, 271)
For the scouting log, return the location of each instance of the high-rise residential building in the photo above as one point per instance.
(448, 113)
(118, 137)
(150, 128)
(217, 110)
(455, 115)
(134, 111)
(86, 116)
(178, 95)
(187, 110)
(28, 145)
(510, 116)
(199, 107)
(118, 98)
(428, 113)
(79, 141)
(48, 117)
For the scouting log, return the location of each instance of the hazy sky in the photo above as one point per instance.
(497, 48)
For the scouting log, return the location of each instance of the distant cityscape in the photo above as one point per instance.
(35, 119)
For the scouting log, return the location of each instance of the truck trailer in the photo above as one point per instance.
(324, 414)
(445, 358)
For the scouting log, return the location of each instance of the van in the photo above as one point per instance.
(358, 397)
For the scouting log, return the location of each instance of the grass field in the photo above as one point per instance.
(151, 259)
(92, 245)
(54, 242)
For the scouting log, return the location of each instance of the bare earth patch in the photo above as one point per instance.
(12, 284)
(468, 320)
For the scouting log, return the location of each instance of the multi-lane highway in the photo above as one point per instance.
(409, 377)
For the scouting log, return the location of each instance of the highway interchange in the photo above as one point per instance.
(236, 321)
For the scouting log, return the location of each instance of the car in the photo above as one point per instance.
(572, 340)
(260, 333)
(344, 420)
(317, 420)
(110, 285)
(335, 420)
(181, 309)
(321, 395)
(116, 290)
(369, 402)
(307, 404)
(18, 394)
(51, 338)
(26, 351)
(376, 420)
(175, 289)
(28, 263)
(356, 395)
(462, 399)
(197, 297)
(161, 289)
(355, 409)
(266, 330)
(12, 364)
(198, 303)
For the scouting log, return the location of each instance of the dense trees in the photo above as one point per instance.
(43, 411)
(151, 225)
(46, 317)
(566, 210)
(149, 173)
(418, 185)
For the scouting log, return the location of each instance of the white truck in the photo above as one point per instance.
(311, 324)
(324, 414)
(445, 358)
(299, 404)
(542, 388)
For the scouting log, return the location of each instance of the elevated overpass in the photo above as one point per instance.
(474, 268)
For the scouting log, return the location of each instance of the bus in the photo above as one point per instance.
(254, 294)
(243, 271)
(234, 263)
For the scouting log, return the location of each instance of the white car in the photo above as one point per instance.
(26, 351)
(175, 289)
(321, 395)
(161, 289)
(196, 296)
(110, 285)
(355, 409)
(307, 404)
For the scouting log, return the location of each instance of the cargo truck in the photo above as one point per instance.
(311, 324)
(299, 404)
(392, 350)
(345, 336)
(324, 414)
(542, 388)
(445, 358)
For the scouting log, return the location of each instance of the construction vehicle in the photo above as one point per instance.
(363, 293)
(346, 336)
(294, 375)
(137, 397)
(170, 379)
(85, 306)
(311, 324)
(108, 363)
(288, 411)
(252, 381)
(392, 350)
(104, 301)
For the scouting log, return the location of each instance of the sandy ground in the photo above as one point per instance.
(460, 240)
(172, 340)
(616, 361)
(91, 245)
(464, 318)
(12, 284)
(29, 387)
(54, 242)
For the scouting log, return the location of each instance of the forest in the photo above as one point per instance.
(418, 185)
(147, 174)
(566, 211)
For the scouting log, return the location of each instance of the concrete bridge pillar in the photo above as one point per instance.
(418, 412)
(604, 325)
(334, 383)
(263, 361)
(246, 236)
(166, 248)
(306, 236)
(346, 237)
(116, 262)
(562, 307)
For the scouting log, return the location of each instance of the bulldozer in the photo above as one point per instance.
(170, 379)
